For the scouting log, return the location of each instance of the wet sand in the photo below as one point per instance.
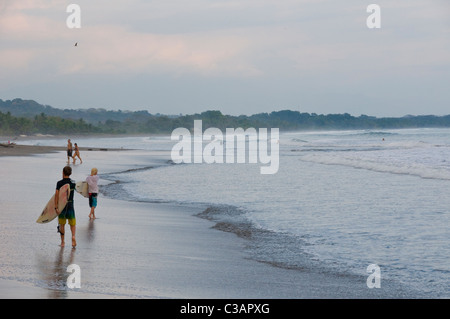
(135, 249)
(26, 150)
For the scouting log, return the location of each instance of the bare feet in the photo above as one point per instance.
(62, 236)
(74, 242)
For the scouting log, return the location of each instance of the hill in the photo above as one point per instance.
(29, 117)
(30, 108)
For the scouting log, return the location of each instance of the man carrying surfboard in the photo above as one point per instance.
(68, 213)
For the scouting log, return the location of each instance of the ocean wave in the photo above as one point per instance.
(415, 169)
(364, 147)
(279, 249)
(337, 149)
(298, 140)
(375, 133)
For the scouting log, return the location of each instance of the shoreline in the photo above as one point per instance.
(18, 138)
(191, 259)
(28, 150)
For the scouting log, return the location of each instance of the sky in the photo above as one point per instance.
(236, 56)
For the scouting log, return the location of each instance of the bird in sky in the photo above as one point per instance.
(76, 44)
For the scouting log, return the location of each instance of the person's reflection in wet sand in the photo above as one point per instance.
(55, 274)
(90, 231)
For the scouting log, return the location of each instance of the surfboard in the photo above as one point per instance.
(82, 188)
(49, 213)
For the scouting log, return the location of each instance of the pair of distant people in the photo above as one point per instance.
(71, 150)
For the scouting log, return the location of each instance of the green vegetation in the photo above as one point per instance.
(43, 124)
(28, 117)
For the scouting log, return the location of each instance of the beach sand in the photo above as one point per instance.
(26, 150)
(136, 249)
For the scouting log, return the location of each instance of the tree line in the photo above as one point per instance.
(43, 124)
(142, 122)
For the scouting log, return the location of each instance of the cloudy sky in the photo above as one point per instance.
(236, 56)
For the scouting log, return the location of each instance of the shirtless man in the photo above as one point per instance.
(69, 150)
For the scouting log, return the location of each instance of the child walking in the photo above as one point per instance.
(92, 181)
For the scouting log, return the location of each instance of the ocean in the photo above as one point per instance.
(340, 201)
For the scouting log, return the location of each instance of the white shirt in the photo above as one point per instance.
(92, 182)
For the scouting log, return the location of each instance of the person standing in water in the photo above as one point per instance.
(92, 181)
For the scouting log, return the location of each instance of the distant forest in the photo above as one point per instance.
(27, 117)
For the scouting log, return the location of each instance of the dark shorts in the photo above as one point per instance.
(92, 199)
(67, 214)
(69, 153)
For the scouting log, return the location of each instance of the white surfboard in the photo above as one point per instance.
(82, 188)
(49, 213)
